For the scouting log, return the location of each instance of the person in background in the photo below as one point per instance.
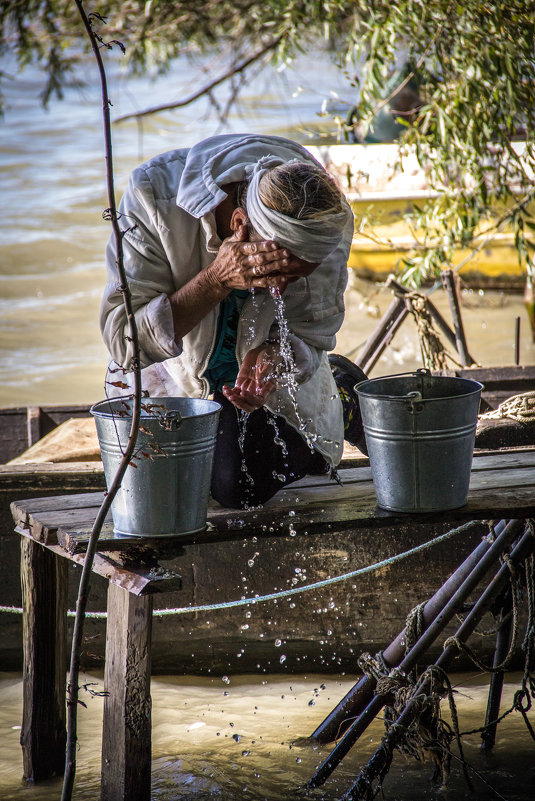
(214, 237)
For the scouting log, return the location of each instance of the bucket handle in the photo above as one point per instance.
(415, 405)
(414, 398)
(421, 371)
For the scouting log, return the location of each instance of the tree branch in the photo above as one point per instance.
(208, 87)
(85, 579)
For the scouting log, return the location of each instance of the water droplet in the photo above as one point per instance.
(278, 643)
(236, 737)
(282, 659)
(311, 702)
(291, 513)
(225, 679)
(244, 627)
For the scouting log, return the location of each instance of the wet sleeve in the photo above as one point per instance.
(149, 278)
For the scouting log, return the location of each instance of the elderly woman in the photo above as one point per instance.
(214, 236)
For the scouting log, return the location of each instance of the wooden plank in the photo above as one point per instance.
(84, 500)
(81, 476)
(33, 424)
(126, 734)
(44, 579)
(139, 579)
(314, 502)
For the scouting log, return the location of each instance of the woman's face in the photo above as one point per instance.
(297, 267)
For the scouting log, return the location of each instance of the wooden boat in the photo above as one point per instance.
(381, 197)
(321, 630)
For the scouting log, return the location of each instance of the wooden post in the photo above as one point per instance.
(504, 620)
(126, 736)
(44, 578)
(450, 284)
(382, 335)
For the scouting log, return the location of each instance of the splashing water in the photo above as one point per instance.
(242, 428)
(286, 376)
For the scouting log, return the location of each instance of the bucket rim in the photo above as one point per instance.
(477, 388)
(96, 412)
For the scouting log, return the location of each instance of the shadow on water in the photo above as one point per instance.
(213, 740)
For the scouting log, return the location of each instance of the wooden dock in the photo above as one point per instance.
(237, 556)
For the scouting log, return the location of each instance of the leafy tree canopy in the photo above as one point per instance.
(473, 61)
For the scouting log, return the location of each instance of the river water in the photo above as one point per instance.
(52, 235)
(211, 740)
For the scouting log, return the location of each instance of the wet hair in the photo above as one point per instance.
(298, 189)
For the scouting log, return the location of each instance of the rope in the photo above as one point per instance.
(182, 610)
(434, 354)
(414, 626)
(463, 647)
(519, 407)
(428, 736)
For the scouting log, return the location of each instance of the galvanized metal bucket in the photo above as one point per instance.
(420, 432)
(166, 493)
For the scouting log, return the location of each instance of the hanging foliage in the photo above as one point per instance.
(472, 61)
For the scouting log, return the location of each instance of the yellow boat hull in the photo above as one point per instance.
(381, 196)
(378, 249)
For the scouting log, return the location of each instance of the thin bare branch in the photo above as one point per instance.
(208, 87)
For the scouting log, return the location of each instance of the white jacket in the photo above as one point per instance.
(168, 214)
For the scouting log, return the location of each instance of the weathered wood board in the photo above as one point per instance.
(312, 531)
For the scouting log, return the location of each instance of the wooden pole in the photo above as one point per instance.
(339, 720)
(361, 723)
(450, 284)
(126, 735)
(382, 335)
(517, 341)
(44, 578)
(377, 763)
(504, 620)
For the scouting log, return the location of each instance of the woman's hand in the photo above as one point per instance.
(256, 378)
(242, 263)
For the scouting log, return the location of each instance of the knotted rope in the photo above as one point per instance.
(519, 407)
(434, 354)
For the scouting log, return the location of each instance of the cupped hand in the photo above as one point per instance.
(256, 378)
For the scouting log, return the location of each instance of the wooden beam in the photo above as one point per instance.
(44, 578)
(126, 736)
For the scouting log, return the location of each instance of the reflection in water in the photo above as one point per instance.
(233, 741)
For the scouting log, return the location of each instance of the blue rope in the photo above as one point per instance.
(182, 610)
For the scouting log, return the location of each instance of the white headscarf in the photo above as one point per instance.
(309, 239)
